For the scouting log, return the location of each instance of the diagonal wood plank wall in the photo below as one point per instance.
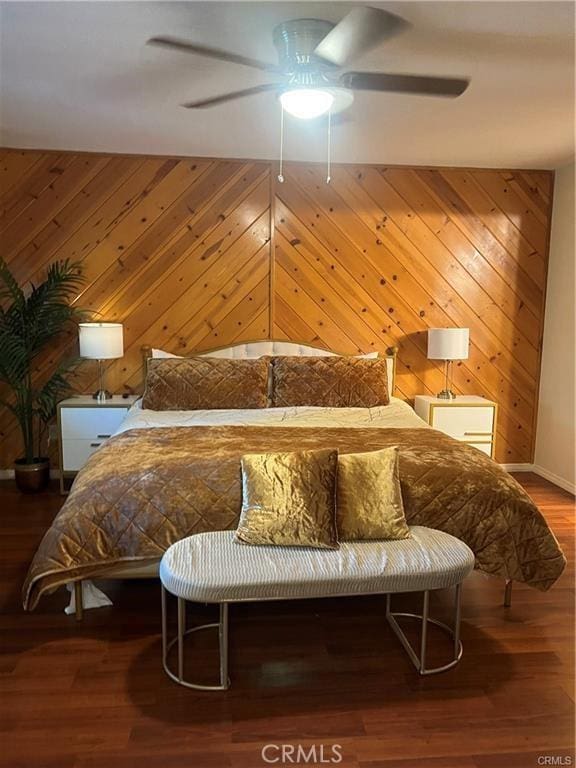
(195, 253)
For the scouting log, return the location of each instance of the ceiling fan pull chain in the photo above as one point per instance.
(328, 164)
(280, 174)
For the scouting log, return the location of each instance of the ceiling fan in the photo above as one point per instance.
(310, 54)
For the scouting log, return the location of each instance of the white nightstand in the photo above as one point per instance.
(83, 425)
(469, 418)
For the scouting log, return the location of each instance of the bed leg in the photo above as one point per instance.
(78, 600)
(508, 593)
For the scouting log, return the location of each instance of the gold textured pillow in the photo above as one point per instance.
(289, 499)
(332, 382)
(193, 383)
(369, 498)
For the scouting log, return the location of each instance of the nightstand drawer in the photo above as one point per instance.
(90, 423)
(75, 453)
(484, 447)
(464, 422)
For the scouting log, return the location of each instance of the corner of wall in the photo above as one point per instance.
(554, 455)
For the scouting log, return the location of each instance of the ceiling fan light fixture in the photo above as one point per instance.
(306, 103)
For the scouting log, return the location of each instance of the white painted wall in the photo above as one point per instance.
(556, 435)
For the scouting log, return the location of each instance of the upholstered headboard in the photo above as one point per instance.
(254, 349)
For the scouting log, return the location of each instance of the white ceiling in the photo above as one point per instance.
(78, 75)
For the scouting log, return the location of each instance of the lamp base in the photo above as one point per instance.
(102, 395)
(446, 394)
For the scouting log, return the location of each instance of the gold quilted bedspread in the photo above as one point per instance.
(147, 488)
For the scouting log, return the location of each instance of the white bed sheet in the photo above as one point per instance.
(396, 414)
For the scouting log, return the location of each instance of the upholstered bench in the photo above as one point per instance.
(214, 568)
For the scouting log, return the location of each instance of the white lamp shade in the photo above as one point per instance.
(101, 341)
(448, 343)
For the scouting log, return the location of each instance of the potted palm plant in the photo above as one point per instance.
(30, 318)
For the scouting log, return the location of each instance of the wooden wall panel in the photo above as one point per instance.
(177, 250)
(381, 254)
(191, 253)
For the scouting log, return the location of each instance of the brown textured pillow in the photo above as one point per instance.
(369, 499)
(333, 382)
(187, 384)
(289, 499)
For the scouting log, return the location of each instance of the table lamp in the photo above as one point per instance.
(448, 344)
(101, 341)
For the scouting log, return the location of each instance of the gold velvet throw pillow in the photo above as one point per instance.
(289, 499)
(369, 498)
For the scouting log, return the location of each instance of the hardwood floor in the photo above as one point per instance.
(325, 672)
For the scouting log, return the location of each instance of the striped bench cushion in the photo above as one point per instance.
(213, 567)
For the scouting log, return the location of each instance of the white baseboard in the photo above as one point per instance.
(518, 467)
(556, 479)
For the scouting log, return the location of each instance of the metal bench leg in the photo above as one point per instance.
(223, 642)
(508, 593)
(424, 631)
(420, 661)
(457, 617)
(164, 625)
(181, 633)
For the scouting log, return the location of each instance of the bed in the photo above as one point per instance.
(168, 474)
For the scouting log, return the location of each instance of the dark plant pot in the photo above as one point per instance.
(32, 478)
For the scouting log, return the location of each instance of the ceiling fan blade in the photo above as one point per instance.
(360, 30)
(224, 97)
(185, 46)
(419, 84)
